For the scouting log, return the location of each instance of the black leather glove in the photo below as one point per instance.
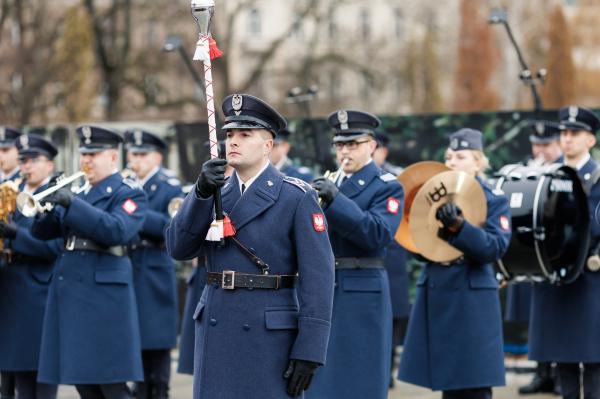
(54, 179)
(452, 219)
(8, 230)
(62, 197)
(299, 375)
(212, 176)
(326, 189)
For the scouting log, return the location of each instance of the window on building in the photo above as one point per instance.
(398, 23)
(254, 22)
(365, 23)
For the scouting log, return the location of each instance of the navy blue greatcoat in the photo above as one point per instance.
(565, 320)
(299, 172)
(153, 270)
(245, 338)
(363, 219)
(195, 285)
(23, 290)
(454, 337)
(91, 329)
(518, 301)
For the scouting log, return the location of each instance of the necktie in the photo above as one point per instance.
(342, 180)
(243, 188)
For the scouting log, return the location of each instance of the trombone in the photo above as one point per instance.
(30, 204)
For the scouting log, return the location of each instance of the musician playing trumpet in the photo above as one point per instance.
(363, 207)
(454, 337)
(25, 279)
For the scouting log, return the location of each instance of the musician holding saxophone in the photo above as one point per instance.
(25, 279)
(454, 337)
(91, 333)
(363, 207)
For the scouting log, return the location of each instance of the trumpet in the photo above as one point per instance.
(334, 176)
(30, 204)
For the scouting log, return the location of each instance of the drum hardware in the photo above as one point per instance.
(550, 224)
(427, 186)
(31, 204)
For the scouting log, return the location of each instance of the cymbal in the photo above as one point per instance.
(412, 178)
(452, 186)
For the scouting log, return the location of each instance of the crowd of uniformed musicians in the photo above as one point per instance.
(306, 295)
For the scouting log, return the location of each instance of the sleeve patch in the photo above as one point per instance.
(318, 220)
(504, 223)
(129, 206)
(393, 205)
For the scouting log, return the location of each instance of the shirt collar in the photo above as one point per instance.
(583, 161)
(252, 179)
(149, 176)
(349, 175)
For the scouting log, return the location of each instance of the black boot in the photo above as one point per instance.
(161, 391)
(542, 381)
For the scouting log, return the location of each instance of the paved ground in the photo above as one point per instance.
(181, 388)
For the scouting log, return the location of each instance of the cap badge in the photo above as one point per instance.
(87, 134)
(573, 111)
(24, 140)
(137, 136)
(2, 134)
(464, 144)
(540, 128)
(342, 116)
(236, 103)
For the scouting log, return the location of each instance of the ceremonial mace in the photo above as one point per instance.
(206, 50)
(500, 16)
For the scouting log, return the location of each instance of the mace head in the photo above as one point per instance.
(202, 11)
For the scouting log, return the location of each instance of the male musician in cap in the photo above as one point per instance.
(25, 277)
(545, 149)
(395, 260)
(279, 158)
(363, 209)
(153, 269)
(91, 333)
(9, 156)
(565, 319)
(266, 309)
(9, 170)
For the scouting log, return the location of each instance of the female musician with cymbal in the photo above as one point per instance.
(454, 337)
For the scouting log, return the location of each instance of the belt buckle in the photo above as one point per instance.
(224, 284)
(70, 243)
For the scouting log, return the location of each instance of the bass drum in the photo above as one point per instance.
(550, 223)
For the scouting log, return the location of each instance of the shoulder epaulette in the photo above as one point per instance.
(387, 177)
(131, 183)
(301, 184)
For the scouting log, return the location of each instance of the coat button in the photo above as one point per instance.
(246, 327)
(213, 322)
(60, 278)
